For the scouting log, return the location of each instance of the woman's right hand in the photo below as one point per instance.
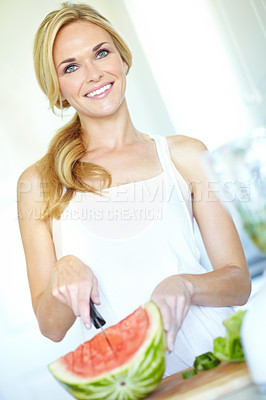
(74, 284)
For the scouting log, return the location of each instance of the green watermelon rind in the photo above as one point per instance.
(142, 373)
(139, 386)
(106, 390)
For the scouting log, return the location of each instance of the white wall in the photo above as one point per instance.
(209, 60)
(181, 81)
(241, 24)
(193, 67)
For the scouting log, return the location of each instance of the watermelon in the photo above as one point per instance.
(131, 369)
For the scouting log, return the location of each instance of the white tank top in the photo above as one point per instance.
(133, 237)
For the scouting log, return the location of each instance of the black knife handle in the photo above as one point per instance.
(96, 318)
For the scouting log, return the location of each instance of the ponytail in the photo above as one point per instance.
(62, 173)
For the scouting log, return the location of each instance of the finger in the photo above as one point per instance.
(170, 324)
(173, 328)
(164, 310)
(84, 303)
(71, 294)
(182, 309)
(171, 337)
(178, 316)
(84, 309)
(170, 320)
(95, 295)
(184, 313)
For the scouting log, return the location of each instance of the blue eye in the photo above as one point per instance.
(70, 68)
(102, 53)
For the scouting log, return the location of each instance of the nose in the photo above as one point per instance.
(93, 72)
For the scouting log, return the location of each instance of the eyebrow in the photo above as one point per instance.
(95, 48)
(98, 46)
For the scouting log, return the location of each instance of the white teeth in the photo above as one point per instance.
(99, 91)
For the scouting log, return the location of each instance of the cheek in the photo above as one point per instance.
(122, 71)
(67, 87)
(120, 67)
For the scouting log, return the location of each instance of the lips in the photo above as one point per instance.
(99, 90)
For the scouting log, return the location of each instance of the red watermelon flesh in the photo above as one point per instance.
(131, 369)
(96, 356)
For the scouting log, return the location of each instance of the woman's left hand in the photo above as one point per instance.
(173, 297)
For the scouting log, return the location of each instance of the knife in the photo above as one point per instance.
(98, 321)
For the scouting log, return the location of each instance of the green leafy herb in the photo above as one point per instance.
(206, 361)
(189, 373)
(229, 348)
(224, 349)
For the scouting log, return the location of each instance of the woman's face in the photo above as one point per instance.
(91, 72)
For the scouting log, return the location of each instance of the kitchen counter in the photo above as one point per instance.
(228, 381)
(249, 392)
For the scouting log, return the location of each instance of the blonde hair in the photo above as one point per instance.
(61, 167)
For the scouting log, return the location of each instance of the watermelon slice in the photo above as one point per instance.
(131, 370)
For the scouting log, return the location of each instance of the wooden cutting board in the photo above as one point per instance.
(206, 385)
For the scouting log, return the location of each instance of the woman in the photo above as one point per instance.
(110, 211)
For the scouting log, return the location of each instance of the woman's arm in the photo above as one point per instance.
(229, 282)
(60, 290)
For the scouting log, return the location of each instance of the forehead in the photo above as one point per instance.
(79, 34)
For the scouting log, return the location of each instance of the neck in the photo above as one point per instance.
(110, 132)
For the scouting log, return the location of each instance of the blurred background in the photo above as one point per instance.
(199, 69)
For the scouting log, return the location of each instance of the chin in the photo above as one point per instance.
(106, 112)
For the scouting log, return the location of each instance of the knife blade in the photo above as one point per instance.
(98, 321)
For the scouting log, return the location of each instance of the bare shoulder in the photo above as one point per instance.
(185, 144)
(185, 153)
(29, 186)
(30, 174)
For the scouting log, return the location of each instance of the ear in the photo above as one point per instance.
(125, 66)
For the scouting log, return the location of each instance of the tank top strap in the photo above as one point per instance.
(166, 162)
(164, 157)
(171, 180)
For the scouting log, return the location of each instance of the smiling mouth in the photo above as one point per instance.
(99, 91)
